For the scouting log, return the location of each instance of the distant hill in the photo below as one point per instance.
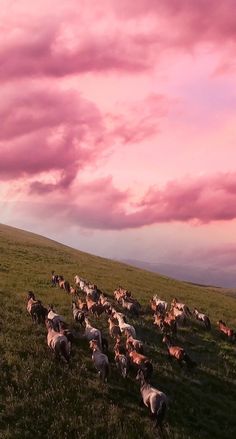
(42, 398)
(190, 273)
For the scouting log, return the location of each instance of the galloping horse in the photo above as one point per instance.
(226, 330)
(78, 314)
(35, 308)
(142, 362)
(181, 306)
(92, 333)
(121, 359)
(153, 398)
(158, 305)
(178, 353)
(58, 343)
(202, 318)
(100, 360)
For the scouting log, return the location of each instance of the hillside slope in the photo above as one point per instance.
(41, 398)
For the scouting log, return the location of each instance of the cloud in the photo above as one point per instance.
(48, 131)
(140, 120)
(48, 136)
(128, 37)
(189, 21)
(69, 43)
(99, 205)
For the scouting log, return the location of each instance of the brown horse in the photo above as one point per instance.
(226, 330)
(178, 353)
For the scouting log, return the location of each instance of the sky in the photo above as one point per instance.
(118, 128)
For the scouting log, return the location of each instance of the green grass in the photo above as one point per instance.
(41, 398)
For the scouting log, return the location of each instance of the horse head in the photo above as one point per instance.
(48, 324)
(140, 377)
(93, 344)
(31, 295)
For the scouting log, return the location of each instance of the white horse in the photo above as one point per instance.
(92, 333)
(100, 360)
(181, 307)
(55, 319)
(58, 343)
(78, 314)
(203, 318)
(79, 282)
(125, 326)
(161, 305)
(153, 398)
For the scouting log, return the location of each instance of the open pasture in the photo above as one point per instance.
(44, 398)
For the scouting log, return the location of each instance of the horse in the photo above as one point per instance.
(79, 282)
(58, 343)
(142, 362)
(92, 292)
(105, 302)
(133, 344)
(121, 293)
(96, 308)
(125, 326)
(161, 305)
(54, 318)
(169, 324)
(179, 316)
(92, 333)
(181, 306)
(36, 309)
(54, 279)
(202, 318)
(100, 360)
(121, 359)
(226, 330)
(159, 321)
(154, 399)
(79, 316)
(114, 329)
(166, 324)
(73, 291)
(82, 305)
(178, 353)
(132, 306)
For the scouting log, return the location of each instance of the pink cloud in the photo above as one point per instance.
(77, 39)
(59, 133)
(100, 205)
(49, 54)
(190, 21)
(140, 120)
(48, 131)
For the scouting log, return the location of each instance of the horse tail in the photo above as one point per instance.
(188, 312)
(64, 351)
(161, 412)
(100, 338)
(189, 361)
(67, 286)
(104, 345)
(105, 372)
(207, 323)
(81, 318)
(147, 369)
(174, 327)
(123, 366)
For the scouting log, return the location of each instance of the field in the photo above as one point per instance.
(42, 398)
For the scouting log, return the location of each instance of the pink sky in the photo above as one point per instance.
(118, 126)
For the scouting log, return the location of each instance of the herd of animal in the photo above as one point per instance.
(129, 351)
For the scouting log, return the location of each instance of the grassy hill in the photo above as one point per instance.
(41, 398)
